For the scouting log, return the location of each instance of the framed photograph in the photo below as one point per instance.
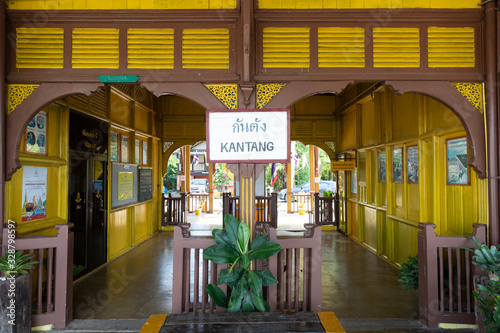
(381, 167)
(34, 192)
(144, 152)
(412, 164)
(113, 147)
(137, 151)
(457, 158)
(124, 149)
(397, 165)
(36, 134)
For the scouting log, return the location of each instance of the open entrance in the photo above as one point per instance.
(88, 190)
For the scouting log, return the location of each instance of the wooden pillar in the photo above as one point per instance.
(313, 172)
(289, 180)
(3, 111)
(211, 167)
(186, 171)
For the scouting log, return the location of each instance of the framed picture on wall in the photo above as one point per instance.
(113, 147)
(144, 152)
(397, 165)
(354, 181)
(137, 151)
(36, 134)
(124, 149)
(457, 157)
(381, 167)
(412, 164)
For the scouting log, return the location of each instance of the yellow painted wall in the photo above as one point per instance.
(127, 226)
(120, 4)
(388, 212)
(56, 163)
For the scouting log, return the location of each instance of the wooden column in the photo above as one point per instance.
(288, 167)
(211, 168)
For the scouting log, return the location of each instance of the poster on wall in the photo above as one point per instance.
(412, 164)
(36, 134)
(137, 151)
(114, 147)
(125, 185)
(397, 165)
(34, 193)
(457, 168)
(124, 148)
(144, 152)
(381, 167)
(354, 181)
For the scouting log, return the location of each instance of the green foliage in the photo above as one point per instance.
(170, 178)
(486, 258)
(232, 247)
(327, 193)
(77, 269)
(220, 178)
(489, 302)
(408, 275)
(13, 264)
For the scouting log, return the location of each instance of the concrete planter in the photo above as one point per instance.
(15, 305)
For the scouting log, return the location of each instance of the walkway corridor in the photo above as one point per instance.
(356, 284)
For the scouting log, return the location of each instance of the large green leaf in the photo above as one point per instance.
(257, 242)
(231, 225)
(247, 305)
(255, 282)
(220, 237)
(267, 277)
(217, 295)
(245, 261)
(231, 278)
(237, 294)
(220, 254)
(243, 236)
(265, 250)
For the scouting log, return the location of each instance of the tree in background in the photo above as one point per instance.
(170, 178)
(221, 178)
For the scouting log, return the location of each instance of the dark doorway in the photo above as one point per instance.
(88, 176)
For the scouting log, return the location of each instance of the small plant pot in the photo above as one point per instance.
(197, 211)
(302, 211)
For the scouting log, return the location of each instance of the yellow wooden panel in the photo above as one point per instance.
(396, 47)
(352, 219)
(205, 48)
(370, 227)
(142, 217)
(141, 119)
(451, 47)
(398, 192)
(341, 47)
(439, 116)
(405, 115)
(383, 236)
(95, 48)
(413, 202)
(348, 131)
(344, 4)
(286, 47)
(330, 4)
(405, 241)
(119, 233)
(39, 47)
(120, 110)
(368, 121)
(150, 48)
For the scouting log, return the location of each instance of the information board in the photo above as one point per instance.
(124, 184)
(145, 184)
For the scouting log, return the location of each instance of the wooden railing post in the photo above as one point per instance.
(274, 210)
(177, 270)
(183, 208)
(316, 209)
(427, 271)
(225, 204)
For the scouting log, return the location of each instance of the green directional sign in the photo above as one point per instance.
(118, 78)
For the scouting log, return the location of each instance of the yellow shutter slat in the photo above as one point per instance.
(95, 48)
(39, 48)
(396, 47)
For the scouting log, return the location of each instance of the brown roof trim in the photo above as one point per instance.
(377, 17)
(123, 16)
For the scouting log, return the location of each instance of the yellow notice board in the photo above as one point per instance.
(343, 165)
(125, 185)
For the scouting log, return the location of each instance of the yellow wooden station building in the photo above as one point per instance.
(95, 91)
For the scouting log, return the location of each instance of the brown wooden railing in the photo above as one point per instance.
(52, 293)
(174, 209)
(266, 208)
(325, 210)
(445, 276)
(297, 268)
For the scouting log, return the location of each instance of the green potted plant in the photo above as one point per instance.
(487, 290)
(233, 247)
(408, 275)
(15, 292)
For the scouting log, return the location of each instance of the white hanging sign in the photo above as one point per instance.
(248, 136)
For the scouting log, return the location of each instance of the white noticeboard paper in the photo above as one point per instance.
(248, 136)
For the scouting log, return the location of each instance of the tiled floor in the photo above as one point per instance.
(355, 282)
